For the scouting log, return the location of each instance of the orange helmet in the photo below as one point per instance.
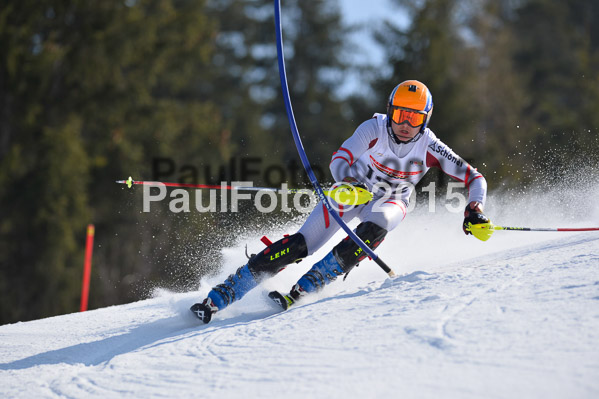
(410, 102)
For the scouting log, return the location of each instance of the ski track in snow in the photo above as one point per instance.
(520, 322)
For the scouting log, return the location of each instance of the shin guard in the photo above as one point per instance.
(278, 255)
(349, 254)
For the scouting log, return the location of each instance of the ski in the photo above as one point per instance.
(202, 312)
(284, 301)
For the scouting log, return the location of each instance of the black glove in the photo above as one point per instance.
(473, 214)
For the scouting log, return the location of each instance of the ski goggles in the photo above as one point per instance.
(401, 115)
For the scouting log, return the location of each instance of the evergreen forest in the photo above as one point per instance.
(188, 91)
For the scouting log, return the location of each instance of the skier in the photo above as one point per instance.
(388, 154)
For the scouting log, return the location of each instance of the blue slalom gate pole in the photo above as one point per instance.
(302, 152)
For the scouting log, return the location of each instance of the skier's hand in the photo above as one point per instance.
(350, 191)
(473, 214)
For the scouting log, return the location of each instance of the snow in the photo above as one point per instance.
(516, 316)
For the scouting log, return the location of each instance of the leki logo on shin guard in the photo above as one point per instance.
(279, 254)
(359, 250)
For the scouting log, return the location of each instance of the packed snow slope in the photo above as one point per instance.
(514, 317)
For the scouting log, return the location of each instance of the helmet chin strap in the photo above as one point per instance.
(397, 140)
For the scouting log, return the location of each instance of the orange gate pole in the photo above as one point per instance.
(87, 267)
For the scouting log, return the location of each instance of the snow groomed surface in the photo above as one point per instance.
(522, 321)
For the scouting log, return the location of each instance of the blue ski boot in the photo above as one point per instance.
(234, 288)
(322, 273)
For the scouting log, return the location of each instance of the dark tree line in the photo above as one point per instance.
(505, 75)
(92, 92)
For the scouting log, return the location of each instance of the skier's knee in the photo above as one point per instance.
(349, 254)
(278, 255)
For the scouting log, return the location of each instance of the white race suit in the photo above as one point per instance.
(372, 157)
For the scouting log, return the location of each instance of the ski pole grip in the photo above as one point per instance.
(384, 266)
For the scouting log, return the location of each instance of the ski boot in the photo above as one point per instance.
(235, 287)
(285, 301)
(322, 273)
(204, 310)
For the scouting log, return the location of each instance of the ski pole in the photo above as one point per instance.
(483, 231)
(344, 194)
(302, 153)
